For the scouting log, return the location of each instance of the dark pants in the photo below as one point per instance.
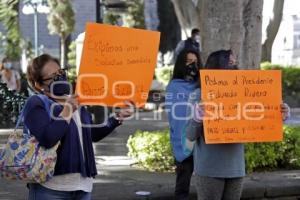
(184, 171)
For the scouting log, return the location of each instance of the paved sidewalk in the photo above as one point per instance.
(117, 180)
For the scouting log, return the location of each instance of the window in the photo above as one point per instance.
(297, 41)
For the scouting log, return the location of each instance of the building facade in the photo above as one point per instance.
(286, 47)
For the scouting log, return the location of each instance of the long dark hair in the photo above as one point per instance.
(219, 60)
(179, 71)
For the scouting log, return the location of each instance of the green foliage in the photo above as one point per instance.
(275, 155)
(61, 18)
(2, 44)
(9, 19)
(72, 76)
(151, 150)
(268, 65)
(61, 22)
(27, 46)
(291, 143)
(111, 18)
(72, 55)
(164, 74)
(10, 105)
(136, 18)
(290, 82)
(262, 156)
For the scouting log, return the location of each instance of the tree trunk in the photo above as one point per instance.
(169, 28)
(62, 52)
(230, 24)
(68, 41)
(188, 14)
(235, 25)
(272, 30)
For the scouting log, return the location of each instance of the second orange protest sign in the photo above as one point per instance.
(241, 105)
(117, 64)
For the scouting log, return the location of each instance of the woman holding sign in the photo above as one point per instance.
(184, 82)
(68, 124)
(219, 168)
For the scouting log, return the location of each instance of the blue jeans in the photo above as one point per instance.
(39, 192)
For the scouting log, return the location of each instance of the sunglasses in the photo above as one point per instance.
(55, 76)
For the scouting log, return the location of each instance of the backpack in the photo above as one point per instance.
(23, 158)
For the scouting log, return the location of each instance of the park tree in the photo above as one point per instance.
(9, 17)
(230, 24)
(188, 14)
(61, 22)
(111, 18)
(272, 30)
(168, 26)
(160, 15)
(135, 17)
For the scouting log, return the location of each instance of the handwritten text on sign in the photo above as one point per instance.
(117, 64)
(241, 105)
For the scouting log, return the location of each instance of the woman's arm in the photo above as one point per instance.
(193, 130)
(98, 133)
(47, 131)
(194, 126)
(113, 122)
(18, 81)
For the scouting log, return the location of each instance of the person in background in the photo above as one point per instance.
(192, 43)
(68, 123)
(219, 168)
(9, 76)
(184, 81)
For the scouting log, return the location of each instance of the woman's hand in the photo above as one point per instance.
(198, 112)
(125, 112)
(285, 111)
(70, 106)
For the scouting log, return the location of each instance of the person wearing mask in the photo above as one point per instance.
(75, 166)
(219, 168)
(184, 81)
(9, 76)
(192, 43)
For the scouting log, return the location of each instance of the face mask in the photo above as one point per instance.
(197, 38)
(60, 86)
(7, 65)
(191, 72)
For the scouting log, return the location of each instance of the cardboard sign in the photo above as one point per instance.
(117, 64)
(241, 105)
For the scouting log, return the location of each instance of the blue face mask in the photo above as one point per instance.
(60, 86)
(7, 65)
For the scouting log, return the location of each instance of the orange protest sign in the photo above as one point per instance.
(241, 105)
(117, 64)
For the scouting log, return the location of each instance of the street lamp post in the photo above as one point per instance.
(34, 7)
(36, 35)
